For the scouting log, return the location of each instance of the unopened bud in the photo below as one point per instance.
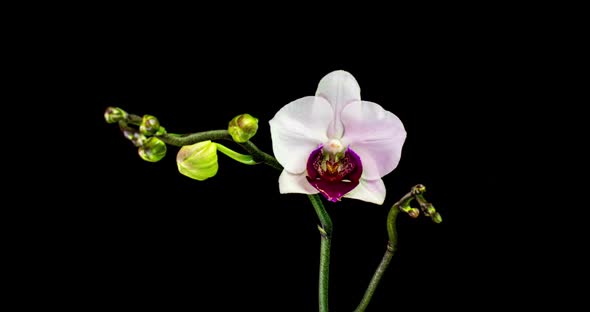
(135, 137)
(149, 125)
(114, 114)
(436, 217)
(430, 209)
(414, 212)
(198, 161)
(153, 150)
(418, 189)
(243, 127)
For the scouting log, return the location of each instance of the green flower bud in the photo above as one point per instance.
(414, 212)
(436, 217)
(114, 114)
(430, 209)
(243, 127)
(418, 189)
(153, 150)
(135, 137)
(198, 161)
(149, 125)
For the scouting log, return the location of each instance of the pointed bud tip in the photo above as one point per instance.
(436, 217)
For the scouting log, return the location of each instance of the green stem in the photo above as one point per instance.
(324, 272)
(320, 210)
(402, 204)
(244, 159)
(392, 216)
(326, 234)
(391, 246)
(134, 119)
(260, 156)
(188, 139)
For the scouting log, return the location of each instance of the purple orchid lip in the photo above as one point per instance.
(334, 179)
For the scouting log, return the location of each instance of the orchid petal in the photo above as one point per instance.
(297, 129)
(376, 135)
(295, 183)
(372, 191)
(339, 88)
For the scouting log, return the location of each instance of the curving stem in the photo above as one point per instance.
(326, 233)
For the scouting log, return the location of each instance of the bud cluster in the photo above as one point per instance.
(149, 147)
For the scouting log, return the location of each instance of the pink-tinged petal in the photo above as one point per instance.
(355, 174)
(372, 191)
(339, 88)
(295, 183)
(376, 135)
(297, 129)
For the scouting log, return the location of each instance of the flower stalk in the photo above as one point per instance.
(402, 205)
(326, 233)
(244, 159)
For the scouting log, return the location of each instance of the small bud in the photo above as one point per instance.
(198, 161)
(430, 209)
(135, 137)
(436, 217)
(149, 125)
(129, 133)
(114, 114)
(153, 150)
(418, 189)
(243, 127)
(414, 213)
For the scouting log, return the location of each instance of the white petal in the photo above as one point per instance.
(376, 135)
(297, 129)
(340, 88)
(295, 183)
(372, 191)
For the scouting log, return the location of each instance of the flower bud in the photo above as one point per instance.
(418, 189)
(198, 161)
(153, 150)
(114, 114)
(149, 125)
(430, 211)
(436, 217)
(243, 127)
(414, 212)
(134, 136)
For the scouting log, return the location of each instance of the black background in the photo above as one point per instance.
(132, 233)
